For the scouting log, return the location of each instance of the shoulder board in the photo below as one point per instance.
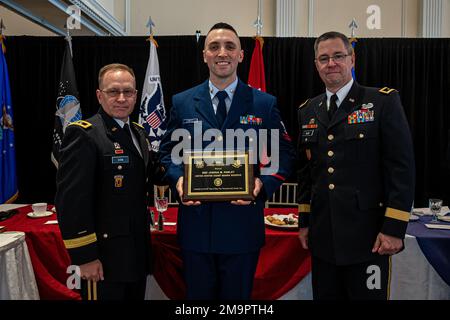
(81, 123)
(138, 125)
(303, 104)
(386, 90)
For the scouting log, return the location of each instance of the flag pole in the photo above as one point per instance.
(68, 108)
(152, 114)
(68, 38)
(258, 22)
(353, 26)
(2, 27)
(150, 24)
(256, 77)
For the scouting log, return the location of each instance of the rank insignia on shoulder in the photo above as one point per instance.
(386, 90)
(138, 125)
(81, 123)
(303, 104)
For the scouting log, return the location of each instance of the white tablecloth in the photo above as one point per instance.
(17, 281)
(413, 277)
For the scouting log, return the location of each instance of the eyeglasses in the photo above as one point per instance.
(114, 93)
(338, 58)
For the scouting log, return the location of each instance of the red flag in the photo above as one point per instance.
(257, 80)
(256, 76)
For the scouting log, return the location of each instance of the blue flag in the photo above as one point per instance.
(353, 42)
(152, 114)
(8, 179)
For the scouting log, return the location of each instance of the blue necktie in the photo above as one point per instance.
(221, 112)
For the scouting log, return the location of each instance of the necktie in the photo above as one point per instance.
(126, 128)
(221, 112)
(333, 106)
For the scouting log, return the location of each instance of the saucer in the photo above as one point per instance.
(39, 215)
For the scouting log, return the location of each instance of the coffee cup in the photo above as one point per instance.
(39, 208)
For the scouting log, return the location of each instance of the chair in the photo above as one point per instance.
(285, 196)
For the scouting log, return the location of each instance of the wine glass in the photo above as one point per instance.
(161, 204)
(435, 208)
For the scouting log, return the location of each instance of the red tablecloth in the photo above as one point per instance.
(282, 263)
(48, 255)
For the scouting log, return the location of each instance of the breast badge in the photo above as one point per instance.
(118, 181)
(362, 116)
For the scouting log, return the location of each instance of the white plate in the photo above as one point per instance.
(413, 217)
(39, 215)
(444, 218)
(281, 217)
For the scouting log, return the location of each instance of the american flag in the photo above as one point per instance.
(154, 119)
(152, 114)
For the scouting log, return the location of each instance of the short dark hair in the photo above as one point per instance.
(223, 25)
(333, 35)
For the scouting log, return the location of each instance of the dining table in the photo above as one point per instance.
(283, 263)
(420, 271)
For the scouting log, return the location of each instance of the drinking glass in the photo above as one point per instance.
(161, 204)
(435, 208)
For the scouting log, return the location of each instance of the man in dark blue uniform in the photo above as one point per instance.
(102, 187)
(220, 241)
(356, 178)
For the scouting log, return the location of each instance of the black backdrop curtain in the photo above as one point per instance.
(418, 68)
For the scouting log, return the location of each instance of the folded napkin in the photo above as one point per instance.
(52, 222)
(437, 226)
(169, 223)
